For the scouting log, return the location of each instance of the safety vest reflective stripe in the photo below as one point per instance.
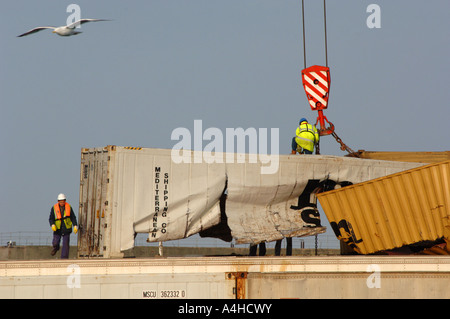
(307, 128)
(304, 139)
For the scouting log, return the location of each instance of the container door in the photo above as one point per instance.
(93, 190)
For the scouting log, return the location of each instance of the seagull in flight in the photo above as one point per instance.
(63, 31)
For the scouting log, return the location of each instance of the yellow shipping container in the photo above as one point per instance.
(392, 211)
(416, 157)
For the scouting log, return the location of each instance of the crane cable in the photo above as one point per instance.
(304, 45)
(344, 147)
(325, 29)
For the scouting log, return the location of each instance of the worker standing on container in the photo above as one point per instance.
(306, 137)
(304, 142)
(61, 221)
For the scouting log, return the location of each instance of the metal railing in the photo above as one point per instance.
(26, 238)
(44, 238)
(323, 242)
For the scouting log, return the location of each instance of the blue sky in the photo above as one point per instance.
(159, 65)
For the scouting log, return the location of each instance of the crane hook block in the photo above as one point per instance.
(316, 81)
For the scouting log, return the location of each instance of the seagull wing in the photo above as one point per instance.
(79, 22)
(37, 29)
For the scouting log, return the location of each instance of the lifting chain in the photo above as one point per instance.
(344, 147)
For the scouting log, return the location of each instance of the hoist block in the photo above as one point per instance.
(316, 81)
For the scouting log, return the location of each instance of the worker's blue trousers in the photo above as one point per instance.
(65, 244)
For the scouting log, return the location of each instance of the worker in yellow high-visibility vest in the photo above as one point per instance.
(61, 221)
(306, 138)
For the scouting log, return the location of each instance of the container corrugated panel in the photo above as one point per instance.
(416, 157)
(392, 211)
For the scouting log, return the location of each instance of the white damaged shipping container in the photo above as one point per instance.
(128, 190)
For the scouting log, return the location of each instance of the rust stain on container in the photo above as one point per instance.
(392, 211)
(240, 279)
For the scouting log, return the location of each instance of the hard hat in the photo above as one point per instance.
(61, 197)
(302, 120)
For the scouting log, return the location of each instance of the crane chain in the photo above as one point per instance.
(344, 147)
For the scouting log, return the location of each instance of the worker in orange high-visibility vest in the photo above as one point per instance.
(61, 220)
